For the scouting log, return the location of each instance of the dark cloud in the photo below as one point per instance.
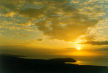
(96, 42)
(39, 39)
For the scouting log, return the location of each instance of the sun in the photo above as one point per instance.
(78, 48)
(78, 44)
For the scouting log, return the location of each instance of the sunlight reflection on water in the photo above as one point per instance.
(77, 62)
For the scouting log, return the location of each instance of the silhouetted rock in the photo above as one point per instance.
(15, 64)
(61, 60)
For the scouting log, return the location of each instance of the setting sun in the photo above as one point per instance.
(78, 48)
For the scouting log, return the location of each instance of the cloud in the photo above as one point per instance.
(58, 19)
(96, 42)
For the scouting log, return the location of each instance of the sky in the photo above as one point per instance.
(54, 28)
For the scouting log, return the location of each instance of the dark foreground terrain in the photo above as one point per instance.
(15, 64)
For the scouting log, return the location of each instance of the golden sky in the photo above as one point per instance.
(53, 26)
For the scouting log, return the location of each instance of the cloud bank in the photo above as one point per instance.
(97, 42)
(58, 19)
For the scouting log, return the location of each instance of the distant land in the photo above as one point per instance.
(16, 64)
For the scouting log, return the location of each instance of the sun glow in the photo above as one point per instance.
(78, 44)
(78, 47)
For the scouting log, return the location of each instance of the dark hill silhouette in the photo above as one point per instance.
(63, 60)
(15, 64)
